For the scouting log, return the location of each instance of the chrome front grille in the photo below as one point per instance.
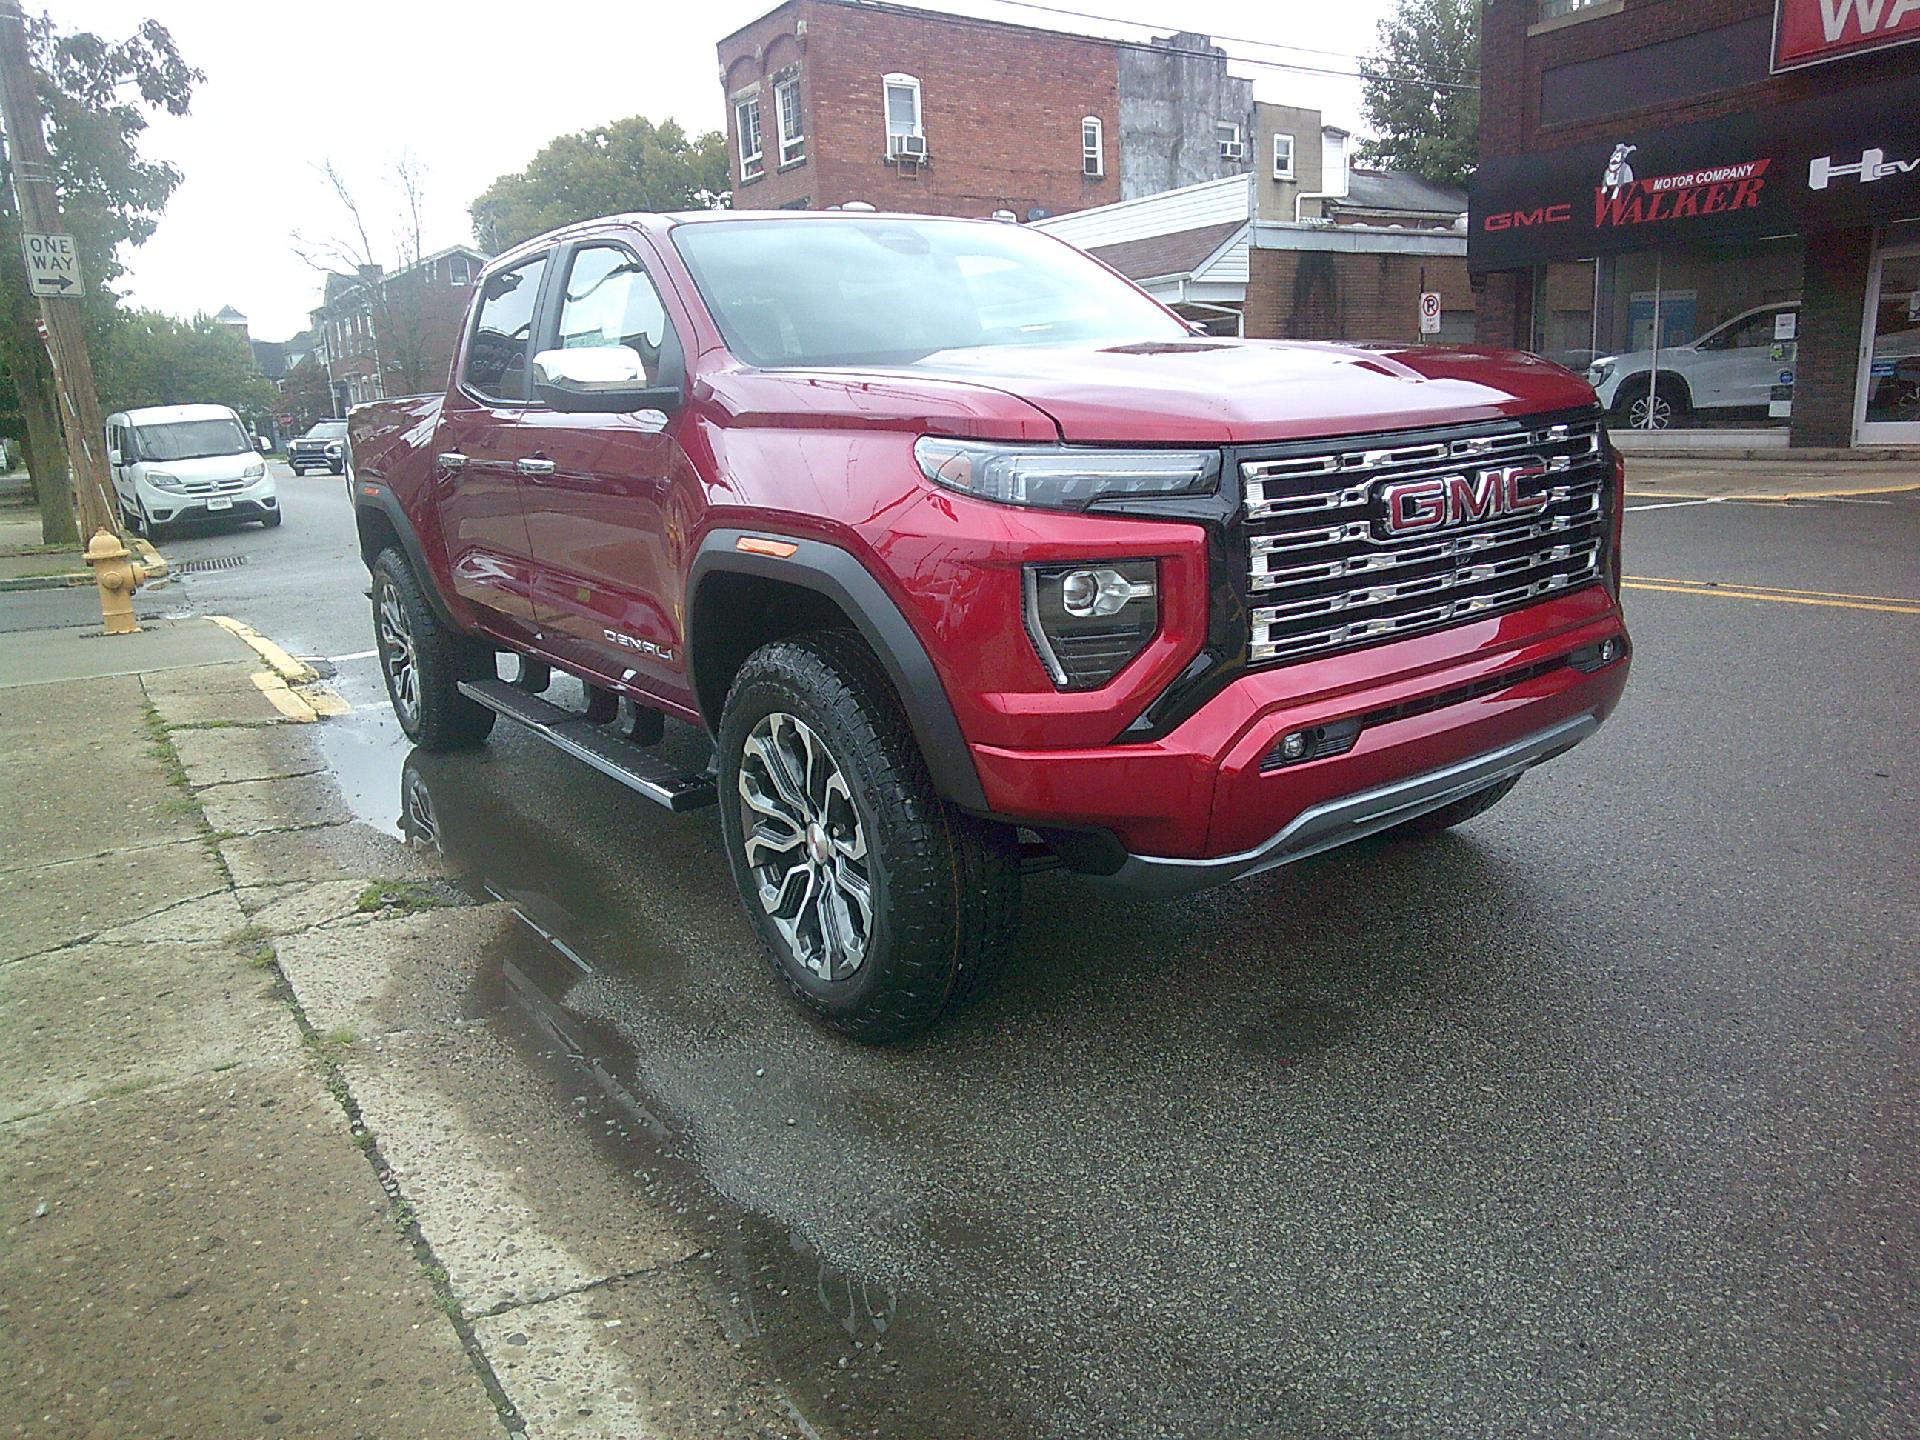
(227, 486)
(1324, 575)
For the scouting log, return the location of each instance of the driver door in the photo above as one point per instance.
(608, 497)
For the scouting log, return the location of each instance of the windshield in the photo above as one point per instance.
(327, 430)
(191, 440)
(887, 291)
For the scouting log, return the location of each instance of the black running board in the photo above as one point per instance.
(637, 769)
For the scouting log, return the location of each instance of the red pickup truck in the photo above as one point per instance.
(970, 557)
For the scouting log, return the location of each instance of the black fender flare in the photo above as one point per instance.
(377, 495)
(840, 577)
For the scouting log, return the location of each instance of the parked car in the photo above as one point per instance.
(956, 593)
(1731, 367)
(177, 463)
(324, 447)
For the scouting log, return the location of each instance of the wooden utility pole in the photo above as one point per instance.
(66, 340)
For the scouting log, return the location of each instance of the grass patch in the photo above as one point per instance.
(58, 548)
(397, 897)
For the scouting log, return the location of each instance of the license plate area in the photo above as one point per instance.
(220, 502)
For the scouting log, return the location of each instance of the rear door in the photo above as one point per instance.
(607, 502)
(476, 482)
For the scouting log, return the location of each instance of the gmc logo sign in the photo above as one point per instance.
(1413, 507)
(1520, 219)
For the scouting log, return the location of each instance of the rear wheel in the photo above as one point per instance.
(423, 662)
(879, 904)
(1447, 816)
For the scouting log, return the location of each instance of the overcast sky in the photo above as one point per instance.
(291, 85)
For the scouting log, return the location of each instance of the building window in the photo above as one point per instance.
(746, 117)
(1283, 157)
(1092, 164)
(459, 270)
(1561, 9)
(904, 135)
(786, 107)
(1231, 146)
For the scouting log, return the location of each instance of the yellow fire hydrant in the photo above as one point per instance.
(118, 576)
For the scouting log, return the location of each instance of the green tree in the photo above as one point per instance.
(154, 359)
(96, 95)
(631, 164)
(1421, 90)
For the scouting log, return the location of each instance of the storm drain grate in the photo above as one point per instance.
(209, 562)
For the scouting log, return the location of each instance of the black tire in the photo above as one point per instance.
(432, 711)
(272, 518)
(1448, 816)
(150, 529)
(942, 886)
(1670, 403)
(135, 519)
(336, 469)
(298, 470)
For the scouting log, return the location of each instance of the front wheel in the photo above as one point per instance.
(423, 662)
(880, 905)
(271, 519)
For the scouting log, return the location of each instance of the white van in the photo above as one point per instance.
(187, 462)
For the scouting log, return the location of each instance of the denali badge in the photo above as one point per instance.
(1415, 506)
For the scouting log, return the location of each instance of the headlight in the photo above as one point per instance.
(255, 471)
(1599, 373)
(333, 449)
(1058, 477)
(164, 480)
(1088, 621)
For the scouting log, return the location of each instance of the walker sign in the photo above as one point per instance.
(52, 266)
(1847, 158)
(1812, 32)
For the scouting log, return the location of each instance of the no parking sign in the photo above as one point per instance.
(1430, 312)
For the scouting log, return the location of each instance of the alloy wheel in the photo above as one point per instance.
(396, 654)
(805, 846)
(1650, 412)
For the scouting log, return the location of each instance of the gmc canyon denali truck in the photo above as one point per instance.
(969, 557)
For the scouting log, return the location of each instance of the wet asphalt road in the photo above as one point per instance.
(1596, 1117)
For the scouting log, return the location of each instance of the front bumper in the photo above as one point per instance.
(170, 507)
(1354, 817)
(1207, 802)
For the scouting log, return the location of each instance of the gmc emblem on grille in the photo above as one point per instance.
(1415, 506)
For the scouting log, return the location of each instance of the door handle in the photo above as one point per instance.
(451, 460)
(534, 465)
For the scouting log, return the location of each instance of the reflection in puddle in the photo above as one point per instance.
(858, 1354)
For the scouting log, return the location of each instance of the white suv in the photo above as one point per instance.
(187, 462)
(1728, 368)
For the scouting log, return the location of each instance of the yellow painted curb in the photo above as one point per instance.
(282, 697)
(284, 665)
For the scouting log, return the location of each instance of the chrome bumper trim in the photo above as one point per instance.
(1354, 817)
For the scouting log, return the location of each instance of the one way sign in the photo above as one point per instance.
(52, 266)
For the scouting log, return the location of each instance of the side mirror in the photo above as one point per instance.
(608, 379)
(113, 459)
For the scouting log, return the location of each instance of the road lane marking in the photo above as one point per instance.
(1771, 589)
(1911, 607)
(356, 655)
(1679, 504)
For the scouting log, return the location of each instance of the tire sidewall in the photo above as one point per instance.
(756, 697)
(385, 581)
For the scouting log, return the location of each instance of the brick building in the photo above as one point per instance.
(382, 333)
(1717, 200)
(838, 101)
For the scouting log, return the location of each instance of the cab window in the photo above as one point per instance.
(610, 300)
(499, 345)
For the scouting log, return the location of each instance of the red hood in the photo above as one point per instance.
(1237, 391)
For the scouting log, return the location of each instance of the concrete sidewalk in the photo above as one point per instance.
(1777, 477)
(259, 1173)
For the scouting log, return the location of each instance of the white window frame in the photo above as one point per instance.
(752, 163)
(888, 84)
(462, 276)
(1282, 172)
(1093, 162)
(793, 148)
(1228, 132)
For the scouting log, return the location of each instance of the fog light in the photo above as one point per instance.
(1087, 622)
(1609, 651)
(1293, 746)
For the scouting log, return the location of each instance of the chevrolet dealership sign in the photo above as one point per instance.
(1811, 32)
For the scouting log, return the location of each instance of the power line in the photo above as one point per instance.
(1290, 66)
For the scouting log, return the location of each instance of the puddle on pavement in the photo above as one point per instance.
(859, 1355)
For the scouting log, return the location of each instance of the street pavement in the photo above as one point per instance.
(1594, 1117)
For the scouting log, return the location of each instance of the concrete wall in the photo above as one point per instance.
(1330, 295)
(1170, 101)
